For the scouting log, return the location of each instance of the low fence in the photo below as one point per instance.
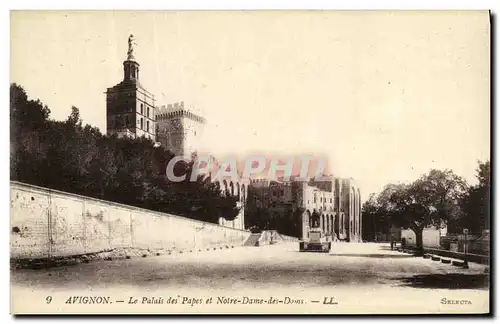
(469, 257)
(475, 244)
(48, 223)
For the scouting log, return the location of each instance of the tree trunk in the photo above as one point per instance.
(419, 238)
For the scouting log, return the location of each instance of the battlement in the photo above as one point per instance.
(259, 181)
(176, 110)
(279, 183)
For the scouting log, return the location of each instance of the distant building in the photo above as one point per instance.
(333, 205)
(235, 189)
(230, 187)
(431, 236)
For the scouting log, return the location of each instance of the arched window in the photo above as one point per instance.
(238, 190)
(231, 186)
(142, 123)
(243, 193)
(226, 189)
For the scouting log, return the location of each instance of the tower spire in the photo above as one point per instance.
(130, 66)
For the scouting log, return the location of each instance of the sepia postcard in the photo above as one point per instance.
(250, 162)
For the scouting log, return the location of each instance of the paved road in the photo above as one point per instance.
(365, 272)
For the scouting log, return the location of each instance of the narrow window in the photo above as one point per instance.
(142, 109)
(142, 123)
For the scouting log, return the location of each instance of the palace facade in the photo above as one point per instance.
(333, 205)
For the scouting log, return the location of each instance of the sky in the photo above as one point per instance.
(386, 96)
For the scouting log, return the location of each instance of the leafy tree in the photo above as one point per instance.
(476, 204)
(28, 122)
(433, 199)
(284, 218)
(374, 218)
(25, 115)
(377, 213)
(208, 202)
(257, 217)
(484, 174)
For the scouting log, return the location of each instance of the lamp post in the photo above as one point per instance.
(466, 231)
(466, 264)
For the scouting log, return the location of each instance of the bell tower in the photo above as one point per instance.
(130, 108)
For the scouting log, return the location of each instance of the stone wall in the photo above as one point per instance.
(430, 237)
(50, 223)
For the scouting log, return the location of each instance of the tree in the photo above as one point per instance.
(257, 217)
(25, 114)
(476, 204)
(373, 218)
(431, 200)
(201, 199)
(484, 174)
(211, 203)
(28, 121)
(377, 214)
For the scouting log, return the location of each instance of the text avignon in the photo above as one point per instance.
(88, 300)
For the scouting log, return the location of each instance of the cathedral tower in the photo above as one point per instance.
(130, 108)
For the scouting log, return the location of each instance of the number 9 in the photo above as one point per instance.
(48, 299)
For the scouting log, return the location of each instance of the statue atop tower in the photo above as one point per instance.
(131, 45)
(131, 66)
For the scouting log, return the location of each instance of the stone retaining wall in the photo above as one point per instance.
(50, 223)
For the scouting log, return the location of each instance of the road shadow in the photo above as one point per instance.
(147, 274)
(374, 255)
(388, 248)
(447, 281)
